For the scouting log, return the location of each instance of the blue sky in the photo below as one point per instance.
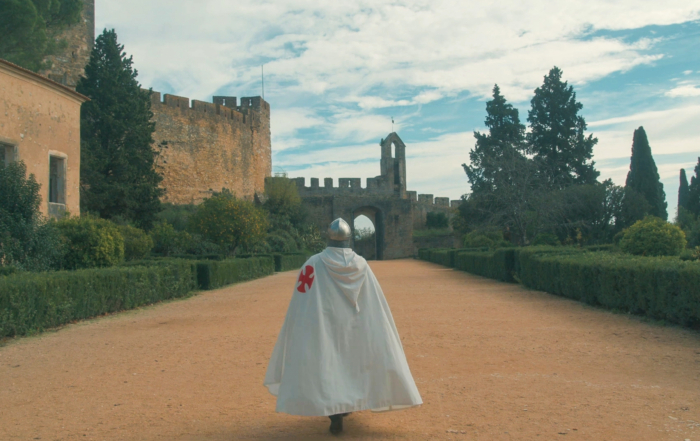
(336, 72)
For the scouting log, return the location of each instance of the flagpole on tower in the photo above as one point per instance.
(392, 124)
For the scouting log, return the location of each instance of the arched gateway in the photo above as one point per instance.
(394, 211)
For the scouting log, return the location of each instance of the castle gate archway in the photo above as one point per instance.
(384, 200)
(376, 216)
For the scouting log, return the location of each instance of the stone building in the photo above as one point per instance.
(206, 147)
(40, 125)
(68, 66)
(394, 211)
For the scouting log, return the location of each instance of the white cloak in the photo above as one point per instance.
(339, 350)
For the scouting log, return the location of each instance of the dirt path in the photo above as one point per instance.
(492, 361)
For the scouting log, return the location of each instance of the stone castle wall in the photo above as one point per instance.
(68, 66)
(206, 147)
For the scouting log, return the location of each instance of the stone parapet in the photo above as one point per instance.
(206, 147)
(374, 186)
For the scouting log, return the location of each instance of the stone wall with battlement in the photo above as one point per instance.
(205, 147)
(68, 66)
(352, 187)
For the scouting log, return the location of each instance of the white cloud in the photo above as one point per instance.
(325, 60)
(318, 47)
(669, 131)
(686, 90)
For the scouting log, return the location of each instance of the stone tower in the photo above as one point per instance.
(69, 66)
(393, 169)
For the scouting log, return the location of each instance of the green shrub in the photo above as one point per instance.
(279, 241)
(690, 254)
(546, 239)
(659, 287)
(215, 274)
(7, 270)
(90, 242)
(491, 238)
(602, 247)
(477, 240)
(168, 241)
(229, 222)
(289, 262)
(32, 302)
(436, 220)
(498, 264)
(652, 236)
(27, 240)
(137, 244)
(176, 215)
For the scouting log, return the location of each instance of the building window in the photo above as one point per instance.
(7, 154)
(57, 180)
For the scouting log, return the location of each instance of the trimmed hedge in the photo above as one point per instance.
(498, 264)
(212, 274)
(289, 262)
(31, 302)
(659, 287)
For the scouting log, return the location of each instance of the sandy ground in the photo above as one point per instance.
(492, 361)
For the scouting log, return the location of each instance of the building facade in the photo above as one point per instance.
(40, 125)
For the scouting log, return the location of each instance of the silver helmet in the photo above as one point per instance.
(339, 230)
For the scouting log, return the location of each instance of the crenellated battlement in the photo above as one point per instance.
(211, 145)
(374, 186)
(223, 107)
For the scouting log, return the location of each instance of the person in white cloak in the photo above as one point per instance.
(339, 350)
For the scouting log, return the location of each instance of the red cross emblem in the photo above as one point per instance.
(306, 279)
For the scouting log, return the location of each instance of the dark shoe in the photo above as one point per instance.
(336, 424)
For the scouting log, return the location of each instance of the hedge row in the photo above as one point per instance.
(35, 301)
(659, 287)
(289, 262)
(214, 274)
(32, 302)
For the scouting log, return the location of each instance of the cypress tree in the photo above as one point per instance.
(557, 138)
(505, 141)
(694, 192)
(683, 191)
(643, 176)
(117, 167)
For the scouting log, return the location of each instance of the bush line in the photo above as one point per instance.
(663, 288)
(32, 302)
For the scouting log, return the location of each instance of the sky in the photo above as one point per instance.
(335, 73)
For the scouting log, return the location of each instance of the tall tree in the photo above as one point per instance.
(683, 191)
(506, 138)
(557, 139)
(29, 26)
(694, 192)
(644, 176)
(117, 167)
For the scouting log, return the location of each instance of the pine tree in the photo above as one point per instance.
(644, 177)
(694, 192)
(117, 168)
(557, 139)
(683, 191)
(505, 141)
